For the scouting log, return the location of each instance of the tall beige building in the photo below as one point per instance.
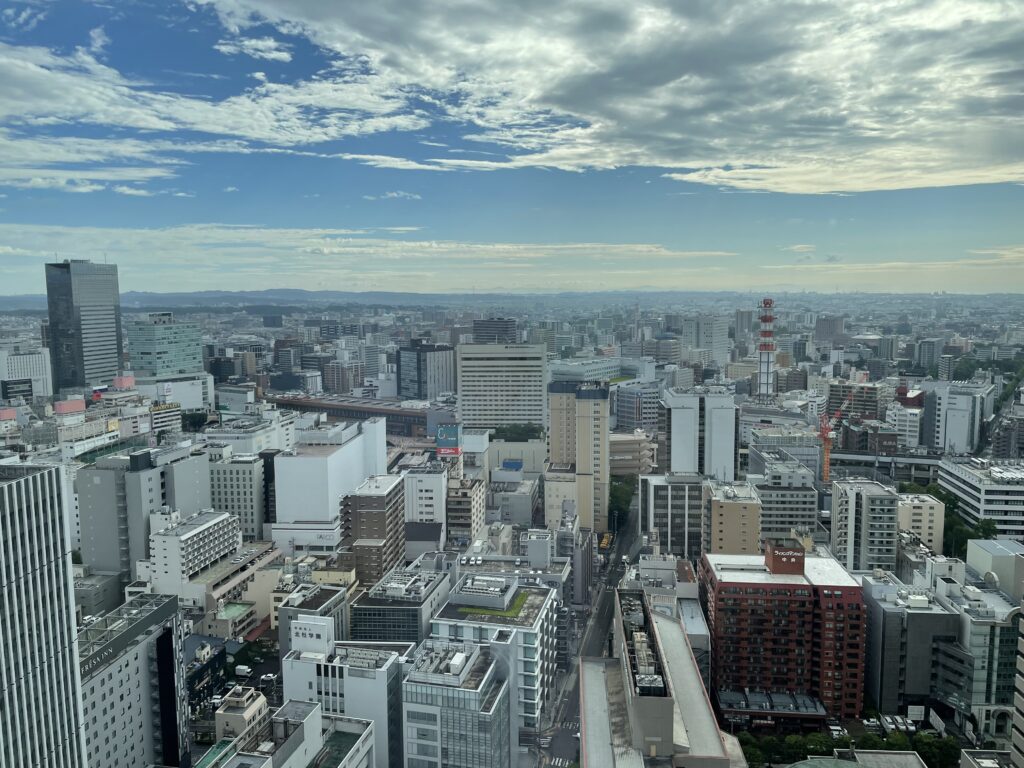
(502, 384)
(732, 518)
(578, 438)
(923, 515)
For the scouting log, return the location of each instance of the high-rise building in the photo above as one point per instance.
(502, 384)
(578, 436)
(373, 525)
(923, 515)
(133, 685)
(864, 524)
(495, 330)
(927, 353)
(162, 346)
(41, 720)
(637, 407)
(907, 422)
(987, 490)
(829, 327)
(519, 623)
(465, 509)
(784, 622)
(238, 487)
(1017, 730)
(789, 499)
(84, 307)
(25, 371)
(672, 506)
(426, 494)
(732, 518)
(713, 335)
(700, 428)
(424, 370)
(457, 708)
(362, 680)
(118, 494)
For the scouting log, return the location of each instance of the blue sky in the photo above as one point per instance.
(533, 146)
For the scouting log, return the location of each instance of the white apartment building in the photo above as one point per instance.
(954, 413)
(864, 525)
(923, 515)
(186, 549)
(40, 703)
(987, 490)
(788, 497)
(701, 429)
(237, 487)
(502, 384)
(134, 695)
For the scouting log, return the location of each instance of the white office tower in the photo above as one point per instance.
(954, 413)
(134, 695)
(40, 702)
(789, 499)
(118, 494)
(987, 490)
(578, 437)
(865, 525)
(766, 353)
(502, 384)
(713, 335)
(426, 493)
(456, 708)
(327, 464)
(24, 371)
(237, 487)
(700, 432)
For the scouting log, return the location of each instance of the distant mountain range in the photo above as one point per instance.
(295, 296)
(298, 298)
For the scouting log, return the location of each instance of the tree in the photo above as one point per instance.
(754, 756)
(870, 741)
(897, 742)
(819, 744)
(620, 495)
(794, 749)
(985, 529)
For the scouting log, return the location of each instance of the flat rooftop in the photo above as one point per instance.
(251, 551)
(605, 738)
(378, 485)
(751, 569)
(402, 587)
(191, 525)
(690, 697)
(337, 745)
(523, 610)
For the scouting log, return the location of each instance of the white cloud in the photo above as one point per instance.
(266, 48)
(131, 191)
(191, 256)
(800, 248)
(396, 195)
(740, 96)
(98, 40)
(23, 19)
(230, 189)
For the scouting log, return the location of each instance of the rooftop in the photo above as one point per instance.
(378, 485)
(253, 550)
(402, 586)
(690, 696)
(751, 569)
(523, 610)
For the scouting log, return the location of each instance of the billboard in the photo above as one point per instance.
(448, 439)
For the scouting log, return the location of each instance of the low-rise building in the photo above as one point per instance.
(399, 606)
(242, 708)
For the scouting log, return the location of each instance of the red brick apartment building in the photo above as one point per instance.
(787, 636)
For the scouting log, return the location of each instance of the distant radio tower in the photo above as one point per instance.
(766, 352)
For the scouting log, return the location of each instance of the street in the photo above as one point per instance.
(563, 748)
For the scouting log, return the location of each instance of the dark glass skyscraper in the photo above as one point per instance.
(85, 323)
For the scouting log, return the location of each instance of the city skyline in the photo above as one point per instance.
(295, 145)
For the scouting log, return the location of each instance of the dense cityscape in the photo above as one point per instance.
(530, 384)
(692, 529)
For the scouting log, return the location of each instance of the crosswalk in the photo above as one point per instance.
(569, 725)
(560, 762)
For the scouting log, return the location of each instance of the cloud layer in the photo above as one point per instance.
(795, 96)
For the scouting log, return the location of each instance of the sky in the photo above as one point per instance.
(527, 146)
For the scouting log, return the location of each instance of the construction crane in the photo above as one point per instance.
(826, 431)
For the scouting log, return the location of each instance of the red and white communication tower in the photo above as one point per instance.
(766, 352)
